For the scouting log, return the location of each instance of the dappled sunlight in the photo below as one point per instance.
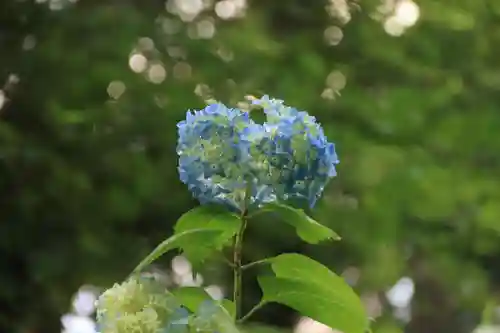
(189, 10)
(397, 16)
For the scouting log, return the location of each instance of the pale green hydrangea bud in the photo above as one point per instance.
(135, 306)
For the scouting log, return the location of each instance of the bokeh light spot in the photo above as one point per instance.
(407, 13)
(2, 98)
(182, 70)
(146, 44)
(336, 80)
(138, 63)
(170, 26)
(181, 266)
(205, 29)
(225, 9)
(29, 42)
(116, 89)
(157, 73)
(333, 35)
(189, 7)
(393, 27)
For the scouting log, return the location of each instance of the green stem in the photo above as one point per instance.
(251, 312)
(255, 263)
(228, 262)
(237, 267)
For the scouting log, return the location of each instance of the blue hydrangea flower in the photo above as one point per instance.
(226, 158)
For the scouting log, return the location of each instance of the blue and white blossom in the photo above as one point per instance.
(226, 158)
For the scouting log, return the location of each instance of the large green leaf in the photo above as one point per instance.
(210, 217)
(197, 244)
(306, 227)
(312, 289)
(199, 233)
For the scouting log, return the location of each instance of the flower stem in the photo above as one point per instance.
(237, 267)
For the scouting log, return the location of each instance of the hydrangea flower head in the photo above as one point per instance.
(136, 305)
(226, 158)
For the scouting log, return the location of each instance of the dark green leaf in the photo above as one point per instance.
(312, 289)
(197, 245)
(307, 228)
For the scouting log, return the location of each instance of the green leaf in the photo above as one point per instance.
(230, 307)
(312, 289)
(193, 297)
(196, 243)
(210, 217)
(307, 228)
(199, 233)
(221, 315)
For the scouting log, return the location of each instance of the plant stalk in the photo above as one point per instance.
(237, 266)
(256, 263)
(251, 312)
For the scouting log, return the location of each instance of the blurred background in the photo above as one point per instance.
(90, 93)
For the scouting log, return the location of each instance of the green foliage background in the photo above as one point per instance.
(88, 183)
